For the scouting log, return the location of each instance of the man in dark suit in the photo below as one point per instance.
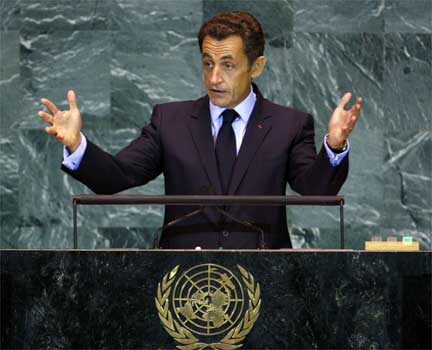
(232, 141)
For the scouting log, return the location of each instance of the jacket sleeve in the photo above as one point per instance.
(135, 165)
(309, 173)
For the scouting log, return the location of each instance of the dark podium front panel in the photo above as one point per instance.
(309, 299)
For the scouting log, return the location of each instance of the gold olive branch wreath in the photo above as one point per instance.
(186, 338)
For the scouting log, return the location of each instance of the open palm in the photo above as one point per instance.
(64, 125)
(342, 121)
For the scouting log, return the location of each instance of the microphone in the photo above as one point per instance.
(174, 222)
(243, 223)
(156, 241)
(210, 191)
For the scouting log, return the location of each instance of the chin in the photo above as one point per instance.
(218, 102)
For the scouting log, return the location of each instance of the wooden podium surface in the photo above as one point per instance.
(309, 299)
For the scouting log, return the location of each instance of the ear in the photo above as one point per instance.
(258, 66)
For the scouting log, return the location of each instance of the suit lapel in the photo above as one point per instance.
(200, 129)
(257, 129)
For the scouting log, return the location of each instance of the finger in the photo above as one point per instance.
(352, 122)
(59, 136)
(51, 130)
(345, 99)
(355, 109)
(51, 106)
(358, 103)
(46, 117)
(72, 99)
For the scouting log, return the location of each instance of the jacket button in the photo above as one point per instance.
(225, 233)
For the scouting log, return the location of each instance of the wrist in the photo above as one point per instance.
(72, 147)
(336, 145)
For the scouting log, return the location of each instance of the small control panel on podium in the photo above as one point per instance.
(392, 244)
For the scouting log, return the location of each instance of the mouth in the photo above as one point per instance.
(217, 92)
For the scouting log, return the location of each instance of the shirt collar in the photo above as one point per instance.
(244, 108)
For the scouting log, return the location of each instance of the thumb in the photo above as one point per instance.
(72, 99)
(345, 99)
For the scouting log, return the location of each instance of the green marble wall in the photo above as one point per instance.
(123, 56)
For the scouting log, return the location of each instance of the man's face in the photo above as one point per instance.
(227, 73)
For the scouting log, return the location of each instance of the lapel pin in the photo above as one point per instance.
(260, 126)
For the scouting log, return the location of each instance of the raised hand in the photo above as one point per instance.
(342, 121)
(64, 125)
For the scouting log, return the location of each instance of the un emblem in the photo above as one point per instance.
(205, 307)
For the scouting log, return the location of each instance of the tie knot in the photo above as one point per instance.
(229, 115)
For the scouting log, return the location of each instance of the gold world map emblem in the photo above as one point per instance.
(205, 307)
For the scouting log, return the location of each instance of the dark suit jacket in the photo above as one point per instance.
(278, 147)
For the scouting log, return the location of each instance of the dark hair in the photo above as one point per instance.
(239, 23)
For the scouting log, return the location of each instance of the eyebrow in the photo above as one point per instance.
(226, 57)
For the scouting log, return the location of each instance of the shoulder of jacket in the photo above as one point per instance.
(180, 106)
(174, 106)
(277, 110)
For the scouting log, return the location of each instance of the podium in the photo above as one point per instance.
(308, 299)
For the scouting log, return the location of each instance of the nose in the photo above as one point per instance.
(215, 76)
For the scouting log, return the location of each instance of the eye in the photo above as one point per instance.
(207, 64)
(228, 65)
